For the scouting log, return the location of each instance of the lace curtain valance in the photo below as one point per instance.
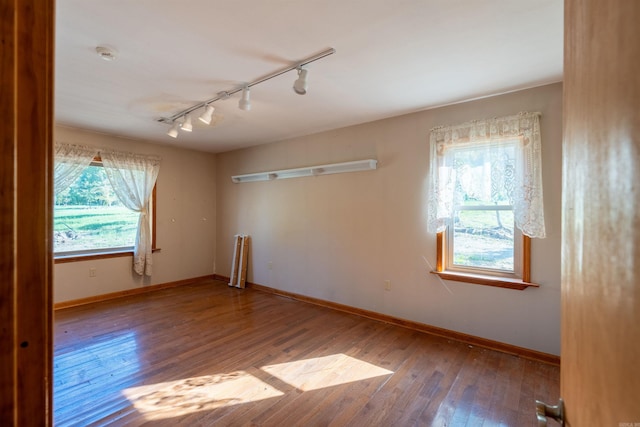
(132, 177)
(521, 179)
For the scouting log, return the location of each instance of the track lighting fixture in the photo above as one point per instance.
(173, 132)
(207, 115)
(245, 101)
(186, 124)
(299, 86)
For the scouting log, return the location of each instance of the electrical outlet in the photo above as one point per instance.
(387, 285)
(92, 272)
(270, 265)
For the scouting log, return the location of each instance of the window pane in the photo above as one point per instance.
(89, 216)
(485, 174)
(484, 239)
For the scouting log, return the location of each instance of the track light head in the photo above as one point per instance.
(300, 85)
(245, 101)
(173, 131)
(186, 124)
(207, 115)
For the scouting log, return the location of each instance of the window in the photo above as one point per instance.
(481, 238)
(92, 186)
(486, 192)
(90, 219)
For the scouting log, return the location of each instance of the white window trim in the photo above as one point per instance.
(518, 262)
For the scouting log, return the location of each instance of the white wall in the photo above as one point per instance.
(339, 237)
(185, 221)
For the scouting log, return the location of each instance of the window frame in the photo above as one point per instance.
(517, 246)
(520, 279)
(60, 258)
(484, 279)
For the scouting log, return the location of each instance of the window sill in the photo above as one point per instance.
(89, 257)
(500, 282)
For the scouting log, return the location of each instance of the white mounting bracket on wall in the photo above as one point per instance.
(356, 166)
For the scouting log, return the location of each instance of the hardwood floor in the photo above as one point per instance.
(207, 354)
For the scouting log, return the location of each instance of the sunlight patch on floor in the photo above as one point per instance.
(186, 396)
(326, 371)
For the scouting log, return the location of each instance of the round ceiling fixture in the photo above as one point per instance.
(106, 53)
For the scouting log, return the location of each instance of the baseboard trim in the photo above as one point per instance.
(417, 326)
(129, 292)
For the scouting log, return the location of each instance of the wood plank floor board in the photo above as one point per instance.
(206, 354)
(527, 393)
(436, 407)
(506, 391)
(393, 396)
(441, 408)
(405, 407)
(485, 384)
(458, 401)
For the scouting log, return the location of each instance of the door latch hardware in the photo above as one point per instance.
(556, 412)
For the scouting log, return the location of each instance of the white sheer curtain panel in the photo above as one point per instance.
(516, 173)
(69, 162)
(132, 177)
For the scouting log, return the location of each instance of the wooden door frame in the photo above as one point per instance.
(26, 146)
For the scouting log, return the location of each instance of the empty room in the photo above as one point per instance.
(345, 213)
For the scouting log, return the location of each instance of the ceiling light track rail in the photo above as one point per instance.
(299, 87)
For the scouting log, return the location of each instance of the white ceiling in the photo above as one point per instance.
(392, 57)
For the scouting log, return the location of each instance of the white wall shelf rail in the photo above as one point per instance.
(355, 166)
